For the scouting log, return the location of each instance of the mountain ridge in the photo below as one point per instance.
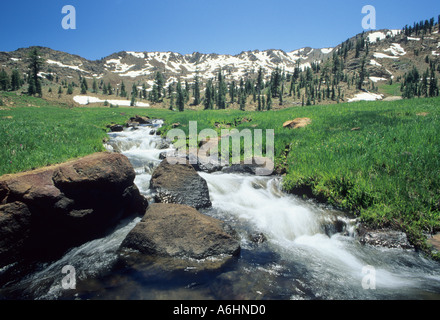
(388, 54)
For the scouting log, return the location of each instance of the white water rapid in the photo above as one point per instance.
(305, 256)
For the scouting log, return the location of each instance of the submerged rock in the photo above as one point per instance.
(174, 230)
(162, 144)
(384, 238)
(257, 238)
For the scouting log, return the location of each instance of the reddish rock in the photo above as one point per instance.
(73, 202)
(14, 231)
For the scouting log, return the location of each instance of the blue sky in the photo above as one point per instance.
(206, 26)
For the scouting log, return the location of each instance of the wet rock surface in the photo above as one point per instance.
(181, 184)
(46, 211)
(173, 230)
(384, 238)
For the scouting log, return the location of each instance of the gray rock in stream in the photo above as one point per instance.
(174, 230)
(181, 184)
(384, 238)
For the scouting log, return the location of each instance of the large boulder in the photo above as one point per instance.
(57, 207)
(174, 230)
(181, 184)
(14, 230)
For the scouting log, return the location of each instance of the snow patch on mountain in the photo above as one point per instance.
(327, 50)
(118, 65)
(375, 63)
(66, 66)
(376, 79)
(396, 50)
(235, 67)
(139, 55)
(380, 35)
(366, 96)
(383, 56)
(84, 100)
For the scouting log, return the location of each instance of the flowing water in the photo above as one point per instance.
(309, 252)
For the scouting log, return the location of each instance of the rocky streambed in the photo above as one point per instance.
(178, 233)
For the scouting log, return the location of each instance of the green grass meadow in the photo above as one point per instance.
(377, 160)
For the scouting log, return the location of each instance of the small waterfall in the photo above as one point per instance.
(310, 251)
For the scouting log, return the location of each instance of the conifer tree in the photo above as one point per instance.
(259, 107)
(144, 91)
(70, 89)
(187, 91)
(94, 86)
(221, 97)
(362, 74)
(171, 102)
(260, 80)
(16, 81)
(209, 95)
(159, 81)
(180, 97)
(196, 90)
(123, 92)
(83, 88)
(433, 86)
(232, 91)
(242, 100)
(35, 66)
(281, 94)
(292, 88)
(4, 80)
(134, 90)
(155, 94)
(275, 82)
(269, 100)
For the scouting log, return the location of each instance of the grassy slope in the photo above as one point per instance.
(386, 171)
